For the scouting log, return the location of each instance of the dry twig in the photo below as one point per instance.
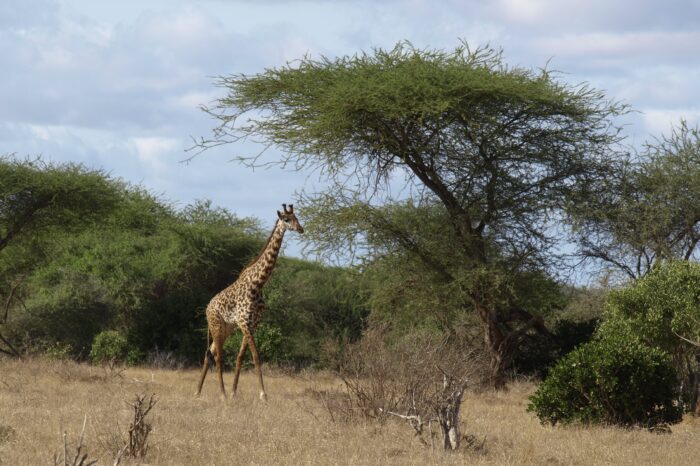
(80, 458)
(139, 428)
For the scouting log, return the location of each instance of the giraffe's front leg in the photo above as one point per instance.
(258, 368)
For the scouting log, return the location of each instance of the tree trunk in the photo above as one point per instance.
(499, 365)
(12, 351)
(495, 343)
(695, 387)
(448, 413)
(502, 340)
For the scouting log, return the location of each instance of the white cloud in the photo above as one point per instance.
(20, 15)
(117, 85)
(557, 16)
(152, 151)
(524, 11)
(180, 30)
(660, 121)
(193, 99)
(647, 46)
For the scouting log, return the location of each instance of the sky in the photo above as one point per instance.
(118, 85)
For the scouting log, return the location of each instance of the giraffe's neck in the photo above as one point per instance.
(262, 267)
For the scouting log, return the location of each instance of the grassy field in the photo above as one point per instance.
(40, 400)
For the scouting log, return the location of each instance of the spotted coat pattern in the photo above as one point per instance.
(241, 305)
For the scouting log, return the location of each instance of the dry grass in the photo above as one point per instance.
(40, 399)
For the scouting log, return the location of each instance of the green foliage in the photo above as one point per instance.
(318, 309)
(134, 356)
(109, 345)
(60, 306)
(36, 196)
(663, 308)
(571, 325)
(269, 341)
(58, 351)
(611, 380)
(145, 268)
(488, 152)
(465, 129)
(131, 262)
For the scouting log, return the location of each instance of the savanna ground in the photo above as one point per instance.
(41, 399)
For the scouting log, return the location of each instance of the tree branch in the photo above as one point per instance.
(12, 351)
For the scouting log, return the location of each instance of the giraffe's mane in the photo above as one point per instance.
(264, 248)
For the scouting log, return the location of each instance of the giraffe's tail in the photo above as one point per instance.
(210, 356)
(210, 360)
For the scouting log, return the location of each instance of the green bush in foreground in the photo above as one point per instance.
(613, 380)
(109, 345)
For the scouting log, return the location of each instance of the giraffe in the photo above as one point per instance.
(241, 305)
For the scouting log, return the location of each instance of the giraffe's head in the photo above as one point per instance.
(289, 220)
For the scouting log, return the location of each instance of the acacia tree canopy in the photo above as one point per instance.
(647, 211)
(498, 148)
(35, 195)
(496, 145)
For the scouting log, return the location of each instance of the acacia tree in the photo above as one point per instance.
(497, 148)
(647, 211)
(35, 198)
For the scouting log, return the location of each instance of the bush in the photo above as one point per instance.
(662, 310)
(269, 341)
(662, 307)
(59, 351)
(135, 356)
(420, 378)
(109, 345)
(612, 380)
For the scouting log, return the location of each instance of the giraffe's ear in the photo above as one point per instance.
(279, 214)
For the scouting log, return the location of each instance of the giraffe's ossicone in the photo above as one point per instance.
(241, 305)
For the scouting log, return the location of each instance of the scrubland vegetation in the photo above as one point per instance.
(42, 399)
(449, 324)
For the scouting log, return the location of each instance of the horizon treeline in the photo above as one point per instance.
(83, 253)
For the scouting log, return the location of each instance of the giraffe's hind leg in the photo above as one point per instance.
(205, 368)
(239, 362)
(206, 365)
(218, 351)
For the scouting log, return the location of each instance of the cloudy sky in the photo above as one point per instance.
(117, 85)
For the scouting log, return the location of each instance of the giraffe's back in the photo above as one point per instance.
(237, 305)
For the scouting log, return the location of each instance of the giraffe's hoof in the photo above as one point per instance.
(263, 396)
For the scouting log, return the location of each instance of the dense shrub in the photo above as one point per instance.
(541, 352)
(139, 264)
(109, 345)
(662, 307)
(612, 380)
(663, 311)
(58, 351)
(269, 341)
(318, 309)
